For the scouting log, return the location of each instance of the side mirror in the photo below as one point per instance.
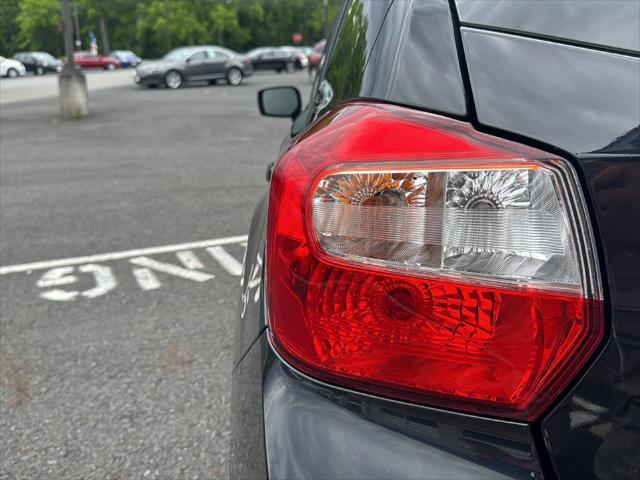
(279, 102)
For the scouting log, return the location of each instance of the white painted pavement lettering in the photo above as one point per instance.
(60, 276)
(105, 281)
(171, 269)
(230, 264)
(57, 277)
(147, 280)
(189, 259)
(66, 272)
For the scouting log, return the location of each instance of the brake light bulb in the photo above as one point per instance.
(410, 256)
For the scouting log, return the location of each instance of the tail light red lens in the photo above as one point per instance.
(411, 256)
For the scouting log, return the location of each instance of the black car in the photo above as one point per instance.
(187, 64)
(443, 280)
(278, 59)
(39, 62)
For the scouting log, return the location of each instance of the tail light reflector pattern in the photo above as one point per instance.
(411, 256)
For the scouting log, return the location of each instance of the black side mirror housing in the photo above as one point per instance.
(279, 102)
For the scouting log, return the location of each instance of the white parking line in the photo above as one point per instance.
(106, 257)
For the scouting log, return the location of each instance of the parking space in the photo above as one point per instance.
(121, 245)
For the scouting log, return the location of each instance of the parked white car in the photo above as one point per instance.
(11, 68)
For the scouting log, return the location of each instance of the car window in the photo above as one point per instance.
(44, 56)
(419, 73)
(198, 56)
(344, 73)
(177, 54)
(218, 54)
(228, 52)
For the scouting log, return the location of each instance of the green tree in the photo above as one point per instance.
(164, 24)
(150, 27)
(39, 25)
(226, 20)
(8, 27)
(119, 19)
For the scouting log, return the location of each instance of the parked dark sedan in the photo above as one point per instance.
(278, 59)
(443, 279)
(39, 62)
(195, 63)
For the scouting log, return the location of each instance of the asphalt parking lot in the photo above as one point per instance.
(120, 246)
(32, 87)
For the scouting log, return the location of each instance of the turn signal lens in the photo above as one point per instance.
(413, 257)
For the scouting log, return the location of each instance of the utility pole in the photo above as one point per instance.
(76, 24)
(68, 36)
(167, 25)
(325, 18)
(74, 99)
(106, 49)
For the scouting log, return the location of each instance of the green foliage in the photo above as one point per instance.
(39, 25)
(151, 27)
(8, 27)
(119, 16)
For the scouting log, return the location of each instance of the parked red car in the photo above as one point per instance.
(87, 60)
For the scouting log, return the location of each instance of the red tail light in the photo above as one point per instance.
(411, 256)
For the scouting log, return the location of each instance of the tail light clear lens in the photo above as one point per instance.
(411, 256)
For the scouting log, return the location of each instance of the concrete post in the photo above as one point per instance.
(74, 98)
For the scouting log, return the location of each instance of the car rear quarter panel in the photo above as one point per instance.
(584, 104)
